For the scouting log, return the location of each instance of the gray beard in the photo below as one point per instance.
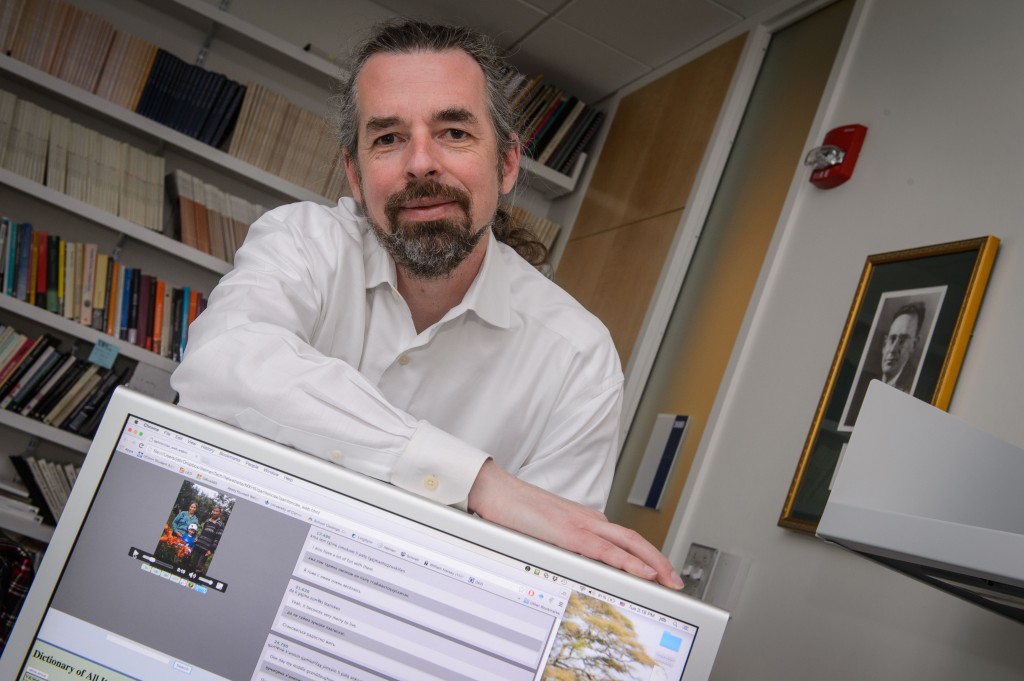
(429, 250)
(432, 249)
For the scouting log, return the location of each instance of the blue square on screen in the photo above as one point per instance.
(671, 642)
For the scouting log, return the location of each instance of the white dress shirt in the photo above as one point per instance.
(308, 342)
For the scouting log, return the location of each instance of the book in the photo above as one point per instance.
(23, 261)
(41, 267)
(176, 319)
(68, 360)
(217, 224)
(133, 307)
(71, 397)
(59, 390)
(563, 130)
(10, 339)
(159, 292)
(23, 508)
(72, 259)
(47, 490)
(147, 292)
(126, 295)
(544, 129)
(201, 218)
(113, 303)
(82, 392)
(57, 154)
(27, 360)
(39, 370)
(222, 114)
(206, 100)
(591, 130)
(14, 353)
(166, 340)
(55, 479)
(78, 420)
(101, 282)
(89, 253)
(155, 86)
(59, 262)
(179, 185)
(39, 498)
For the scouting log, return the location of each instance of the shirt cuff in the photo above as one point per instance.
(438, 466)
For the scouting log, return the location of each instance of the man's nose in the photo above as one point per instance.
(421, 161)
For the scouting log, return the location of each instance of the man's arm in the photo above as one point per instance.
(252, 361)
(508, 501)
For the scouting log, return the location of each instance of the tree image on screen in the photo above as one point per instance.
(596, 642)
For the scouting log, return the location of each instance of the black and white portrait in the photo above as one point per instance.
(900, 334)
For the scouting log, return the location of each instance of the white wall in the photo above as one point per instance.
(938, 84)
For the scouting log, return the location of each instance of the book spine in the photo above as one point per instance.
(34, 489)
(24, 261)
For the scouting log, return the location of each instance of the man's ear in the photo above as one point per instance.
(352, 173)
(510, 165)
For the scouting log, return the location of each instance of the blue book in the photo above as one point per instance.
(126, 299)
(185, 297)
(10, 259)
(24, 264)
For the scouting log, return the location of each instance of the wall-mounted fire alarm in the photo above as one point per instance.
(833, 162)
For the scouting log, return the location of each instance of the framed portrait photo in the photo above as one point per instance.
(909, 326)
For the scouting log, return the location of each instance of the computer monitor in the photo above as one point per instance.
(310, 572)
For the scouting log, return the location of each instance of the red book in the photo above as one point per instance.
(141, 319)
(194, 306)
(158, 316)
(15, 359)
(42, 256)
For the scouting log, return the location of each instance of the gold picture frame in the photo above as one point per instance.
(910, 322)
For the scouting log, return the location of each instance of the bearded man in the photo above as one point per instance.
(401, 334)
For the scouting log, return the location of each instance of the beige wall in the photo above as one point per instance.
(638, 190)
(728, 259)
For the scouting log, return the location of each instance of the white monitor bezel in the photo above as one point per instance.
(709, 620)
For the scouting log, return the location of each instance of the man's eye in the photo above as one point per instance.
(385, 140)
(456, 134)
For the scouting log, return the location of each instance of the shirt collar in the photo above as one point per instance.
(489, 295)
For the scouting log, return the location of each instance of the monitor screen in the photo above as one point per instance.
(191, 550)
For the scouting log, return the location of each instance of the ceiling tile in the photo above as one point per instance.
(748, 8)
(576, 62)
(547, 6)
(651, 31)
(507, 22)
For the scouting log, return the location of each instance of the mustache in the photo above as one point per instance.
(428, 189)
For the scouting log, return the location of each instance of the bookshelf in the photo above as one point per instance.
(27, 528)
(102, 218)
(25, 200)
(551, 183)
(158, 135)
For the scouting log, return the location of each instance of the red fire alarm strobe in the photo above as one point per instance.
(833, 162)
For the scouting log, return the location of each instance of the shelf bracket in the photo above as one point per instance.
(223, 6)
(115, 253)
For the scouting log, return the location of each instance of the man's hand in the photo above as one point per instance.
(506, 500)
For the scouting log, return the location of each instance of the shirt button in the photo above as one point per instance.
(336, 456)
(430, 483)
(403, 360)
